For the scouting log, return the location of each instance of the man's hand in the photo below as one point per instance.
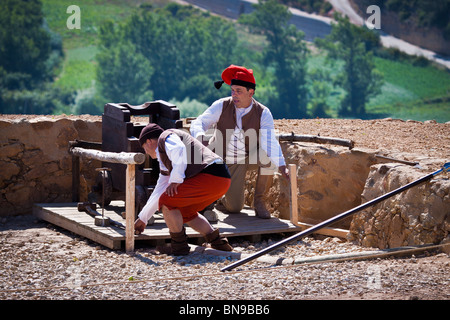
(172, 189)
(284, 171)
(139, 226)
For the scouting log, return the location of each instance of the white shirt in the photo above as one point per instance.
(176, 151)
(268, 141)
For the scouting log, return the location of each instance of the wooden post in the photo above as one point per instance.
(75, 178)
(130, 159)
(129, 207)
(294, 203)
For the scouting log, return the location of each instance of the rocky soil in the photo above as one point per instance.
(39, 261)
(413, 139)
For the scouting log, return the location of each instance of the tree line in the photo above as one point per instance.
(177, 52)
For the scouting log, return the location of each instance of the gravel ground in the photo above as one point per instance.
(39, 261)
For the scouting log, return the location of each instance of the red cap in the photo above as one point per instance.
(239, 76)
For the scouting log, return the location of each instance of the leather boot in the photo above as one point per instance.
(178, 244)
(217, 241)
(262, 181)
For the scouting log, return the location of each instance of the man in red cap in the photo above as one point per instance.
(191, 177)
(244, 136)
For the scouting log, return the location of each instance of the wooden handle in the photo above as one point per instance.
(294, 203)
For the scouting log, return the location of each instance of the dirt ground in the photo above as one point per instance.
(39, 261)
(36, 255)
(423, 139)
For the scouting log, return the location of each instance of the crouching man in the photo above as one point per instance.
(191, 177)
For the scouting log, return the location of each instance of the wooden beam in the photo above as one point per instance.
(396, 160)
(334, 232)
(331, 232)
(75, 178)
(129, 207)
(112, 157)
(294, 201)
(316, 139)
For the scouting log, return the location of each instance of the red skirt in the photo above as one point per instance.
(195, 194)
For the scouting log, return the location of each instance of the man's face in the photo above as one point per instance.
(150, 147)
(242, 97)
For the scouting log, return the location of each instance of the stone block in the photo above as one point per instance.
(420, 215)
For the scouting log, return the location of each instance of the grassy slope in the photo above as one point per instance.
(80, 46)
(413, 92)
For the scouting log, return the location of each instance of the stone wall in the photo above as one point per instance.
(330, 181)
(35, 163)
(420, 215)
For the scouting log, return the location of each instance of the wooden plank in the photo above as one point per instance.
(246, 223)
(75, 178)
(168, 110)
(68, 217)
(332, 232)
(80, 229)
(130, 207)
(294, 198)
(117, 112)
(146, 108)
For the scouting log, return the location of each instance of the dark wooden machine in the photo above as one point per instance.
(122, 124)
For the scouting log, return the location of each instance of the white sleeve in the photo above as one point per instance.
(152, 203)
(207, 119)
(269, 142)
(176, 151)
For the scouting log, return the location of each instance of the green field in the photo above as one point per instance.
(409, 92)
(412, 92)
(80, 45)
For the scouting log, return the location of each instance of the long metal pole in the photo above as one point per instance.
(334, 219)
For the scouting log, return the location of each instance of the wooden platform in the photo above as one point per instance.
(67, 216)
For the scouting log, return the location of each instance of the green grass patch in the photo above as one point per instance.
(409, 91)
(78, 71)
(423, 82)
(92, 15)
(79, 68)
(80, 46)
(420, 110)
(412, 92)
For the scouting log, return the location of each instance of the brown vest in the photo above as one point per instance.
(227, 121)
(198, 156)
